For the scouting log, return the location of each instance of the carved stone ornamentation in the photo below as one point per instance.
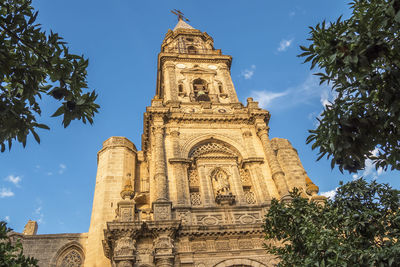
(72, 259)
(193, 178)
(162, 210)
(195, 199)
(249, 197)
(124, 246)
(220, 182)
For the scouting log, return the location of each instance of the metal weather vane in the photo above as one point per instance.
(179, 14)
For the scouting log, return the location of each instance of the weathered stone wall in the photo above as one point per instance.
(52, 248)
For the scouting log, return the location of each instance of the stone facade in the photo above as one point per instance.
(197, 192)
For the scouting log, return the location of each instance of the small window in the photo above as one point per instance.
(189, 39)
(200, 90)
(191, 50)
(180, 88)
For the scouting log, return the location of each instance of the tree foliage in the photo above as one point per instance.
(360, 58)
(11, 254)
(359, 227)
(33, 64)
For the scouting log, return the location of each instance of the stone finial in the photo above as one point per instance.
(311, 188)
(127, 189)
(252, 104)
(31, 228)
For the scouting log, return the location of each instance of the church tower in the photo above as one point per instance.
(197, 192)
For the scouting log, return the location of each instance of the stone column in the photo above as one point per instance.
(159, 174)
(172, 82)
(162, 206)
(277, 174)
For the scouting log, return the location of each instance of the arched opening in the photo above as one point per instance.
(70, 255)
(240, 263)
(192, 50)
(200, 90)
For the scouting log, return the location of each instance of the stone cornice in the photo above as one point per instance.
(253, 160)
(179, 160)
(221, 230)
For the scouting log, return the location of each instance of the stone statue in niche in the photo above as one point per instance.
(220, 183)
(222, 189)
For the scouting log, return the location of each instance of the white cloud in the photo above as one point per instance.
(329, 194)
(248, 73)
(7, 218)
(307, 92)
(38, 212)
(6, 192)
(13, 179)
(292, 13)
(49, 173)
(370, 170)
(265, 98)
(62, 169)
(284, 45)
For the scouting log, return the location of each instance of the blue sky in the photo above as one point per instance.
(53, 182)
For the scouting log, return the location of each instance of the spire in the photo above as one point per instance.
(181, 20)
(182, 25)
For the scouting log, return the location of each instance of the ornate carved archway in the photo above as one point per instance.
(240, 263)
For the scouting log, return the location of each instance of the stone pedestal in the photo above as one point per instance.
(162, 210)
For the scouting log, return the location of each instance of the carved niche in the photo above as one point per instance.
(209, 171)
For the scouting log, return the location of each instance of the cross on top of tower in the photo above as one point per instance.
(179, 14)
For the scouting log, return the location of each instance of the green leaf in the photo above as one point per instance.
(58, 112)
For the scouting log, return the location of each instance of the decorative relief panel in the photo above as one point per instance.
(124, 246)
(246, 244)
(193, 178)
(222, 245)
(199, 246)
(247, 218)
(195, 199)
(245, 177)
(211, 148)
(210, 219)
(185, 217)
(249, 197)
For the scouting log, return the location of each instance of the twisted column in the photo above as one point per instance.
(277, 174)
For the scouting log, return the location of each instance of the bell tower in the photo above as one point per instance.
(197, 192)
(191, 70)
